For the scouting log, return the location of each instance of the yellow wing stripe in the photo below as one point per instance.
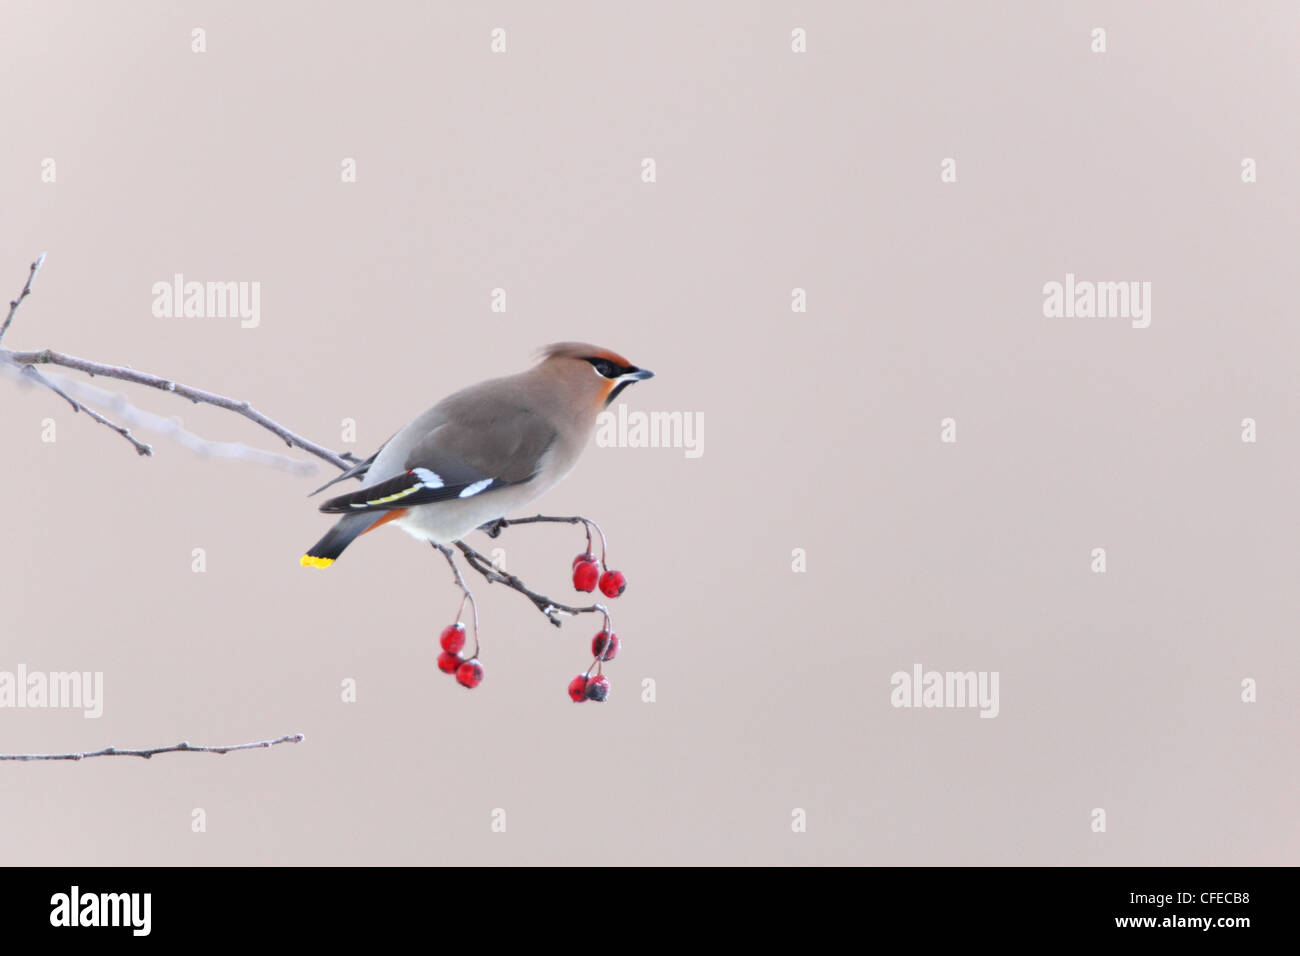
(387, 498)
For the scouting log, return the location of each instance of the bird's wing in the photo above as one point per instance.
(458, 460)
(356, 471)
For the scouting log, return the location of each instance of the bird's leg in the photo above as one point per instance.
(468, 595)
(494, 528)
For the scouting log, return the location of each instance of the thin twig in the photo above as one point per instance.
(494, 528)
(196, 395)
(128, 415)
(27, 290)
(460, 582)
(182, 747)
(140, 446)
(547, 606)
(125, 374)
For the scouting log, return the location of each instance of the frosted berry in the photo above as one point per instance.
(604, 646)
(585, 556)
(470, 673)
(585, 576)
(578, 689)
(453, 638)
(612, 583)
(448, 662)
(598, 688)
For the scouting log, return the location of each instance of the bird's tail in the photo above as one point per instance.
(346, 530)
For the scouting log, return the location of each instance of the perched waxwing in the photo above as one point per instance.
(480, 452)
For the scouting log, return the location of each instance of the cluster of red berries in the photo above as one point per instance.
(587, 575)
(604, 646)
(469, 672)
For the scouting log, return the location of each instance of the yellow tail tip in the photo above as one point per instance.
(308, 561)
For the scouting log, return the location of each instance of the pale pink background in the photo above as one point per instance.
(775, 170)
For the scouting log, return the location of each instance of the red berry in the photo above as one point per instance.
(470, 673)
(453, 637)
(448, 662)
(585, 575)
(604, 646)
(612, 583)
(578, 689)
(597, 688)
(585, 556)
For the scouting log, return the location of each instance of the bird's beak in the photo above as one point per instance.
(631, 376)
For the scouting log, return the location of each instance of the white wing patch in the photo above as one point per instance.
(428, 478)
(476, 487)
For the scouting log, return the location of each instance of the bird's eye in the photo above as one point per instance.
(605, 369)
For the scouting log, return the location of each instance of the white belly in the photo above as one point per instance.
(445, 522)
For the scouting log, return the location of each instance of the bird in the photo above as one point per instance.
(480, 452)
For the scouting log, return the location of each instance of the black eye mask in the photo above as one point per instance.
(607, 369)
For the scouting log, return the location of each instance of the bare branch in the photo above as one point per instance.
(27, 290)
(126, 374)
(552, 609)
(182, 747)
(129, 416)
(547, 606)
(140, 446)
(494, 528)
(27, 362)
(196, 395)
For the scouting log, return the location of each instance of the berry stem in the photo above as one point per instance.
(494, 528)
(608, 629)
(469, 596)
(603, 546)
(552, 609)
